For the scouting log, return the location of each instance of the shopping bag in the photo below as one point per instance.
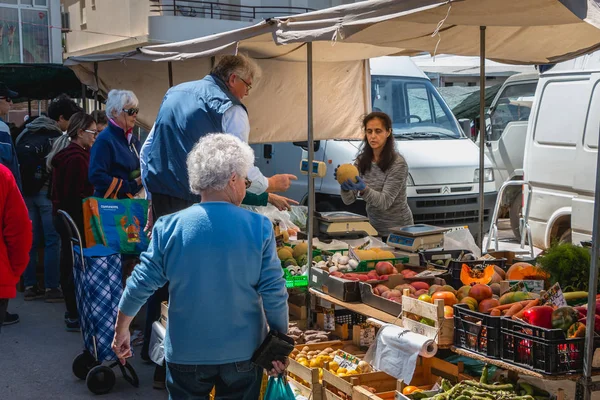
(116, 223)
(98, 290)
(279, 389)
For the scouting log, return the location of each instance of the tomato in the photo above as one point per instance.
(410, 390)
(448, 297)
(426, 298)
(448, 312)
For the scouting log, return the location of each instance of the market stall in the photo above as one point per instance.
(539, 31)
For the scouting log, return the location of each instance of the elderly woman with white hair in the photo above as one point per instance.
(225, 280)
(114, 158)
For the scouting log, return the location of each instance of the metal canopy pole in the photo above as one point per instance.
(481, 133)
(96, 103)
(170, 67)
(311, 181)
(588, 386)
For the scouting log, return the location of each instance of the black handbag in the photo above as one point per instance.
(276, 347)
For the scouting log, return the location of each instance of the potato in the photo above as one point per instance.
(306, 349)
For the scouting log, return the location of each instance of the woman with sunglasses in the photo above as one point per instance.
(114, 161)
(70, 185)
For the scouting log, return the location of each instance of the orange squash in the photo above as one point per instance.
(522, 271)
(476, 274)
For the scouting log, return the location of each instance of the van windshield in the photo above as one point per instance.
(416, 108)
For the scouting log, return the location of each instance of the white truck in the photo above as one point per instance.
(506, 130)
(561, 151)
(443, 163)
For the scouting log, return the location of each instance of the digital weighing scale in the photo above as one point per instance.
(343, 223)
(417, 237)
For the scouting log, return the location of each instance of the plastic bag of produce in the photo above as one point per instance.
(460, 240)
(284, 217)
(279, 389)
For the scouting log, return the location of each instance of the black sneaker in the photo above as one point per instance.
(54, 296)
(10, 319)
(72, 325)
(33, 292)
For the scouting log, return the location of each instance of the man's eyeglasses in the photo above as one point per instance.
(248, 183)
(8, 99)
(248, 86)
(131, 111)
(95, 133)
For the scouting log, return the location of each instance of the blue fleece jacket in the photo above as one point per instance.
(8, 154)
(113, 157)
(188, 112)
(224, 279)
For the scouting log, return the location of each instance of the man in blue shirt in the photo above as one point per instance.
(226, 285)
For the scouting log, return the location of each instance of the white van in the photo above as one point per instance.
(561, 151)
(443, 163)
(506, 131)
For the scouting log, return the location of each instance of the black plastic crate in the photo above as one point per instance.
(543, 350)
(349, 317)
(456, 266)
(477, 332)
(431, 256)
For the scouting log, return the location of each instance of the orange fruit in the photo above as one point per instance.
(410, 390)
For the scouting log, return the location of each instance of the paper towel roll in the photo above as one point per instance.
(396, 350)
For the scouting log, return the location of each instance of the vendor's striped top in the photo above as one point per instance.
(385, 196)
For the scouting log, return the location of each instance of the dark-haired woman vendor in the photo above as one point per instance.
(383, 175)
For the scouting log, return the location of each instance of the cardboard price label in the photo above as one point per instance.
(367, 335)
(329, 320)
(554, 296)
(526, 286)
(346, 360)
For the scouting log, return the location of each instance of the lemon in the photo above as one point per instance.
(341, 371)
(333, 366)
(352, 372)
(304, 363)
(314, 363)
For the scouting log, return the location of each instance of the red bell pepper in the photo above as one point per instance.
(596, 323)
(539, 316)
(582, 311)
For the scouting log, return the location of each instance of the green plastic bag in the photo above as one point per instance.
(279, 389)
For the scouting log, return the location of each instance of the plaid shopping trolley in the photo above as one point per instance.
(98, 287)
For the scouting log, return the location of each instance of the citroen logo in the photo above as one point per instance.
(445, 190)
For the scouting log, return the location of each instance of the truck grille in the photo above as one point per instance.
(461, 189)
(446, 202)
(451, 218)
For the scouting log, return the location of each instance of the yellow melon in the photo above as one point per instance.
(284, 253)
(300, 249)
(345, 172)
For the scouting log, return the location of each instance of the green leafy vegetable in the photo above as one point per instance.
(567, 264)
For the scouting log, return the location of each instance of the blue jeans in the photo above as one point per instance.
(40, 213)
(235, 381)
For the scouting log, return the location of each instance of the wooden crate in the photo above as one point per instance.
(347, 387)
(442, 331)
(429, 371)
(298, 313)
(299, 372)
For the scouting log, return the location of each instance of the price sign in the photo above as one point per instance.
(346, 360)
(329, 320)
(367, 335)
(554, 296)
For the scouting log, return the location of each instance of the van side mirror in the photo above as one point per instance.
(465, 124)
(304, 145)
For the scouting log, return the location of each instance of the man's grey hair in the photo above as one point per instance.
(119, 99)
(241, 65)
(215, 158)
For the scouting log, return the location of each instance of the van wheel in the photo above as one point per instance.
(566, 237)
(515, 213)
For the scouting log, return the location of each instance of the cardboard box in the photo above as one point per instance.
(339, 288)
(164, 312)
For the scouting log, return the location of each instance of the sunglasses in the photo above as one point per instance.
(8, 99)
(249, 86)
(131, 111)
(248, 183)
(95, 133)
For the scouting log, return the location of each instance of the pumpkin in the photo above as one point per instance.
(476, 274)
(523, 271)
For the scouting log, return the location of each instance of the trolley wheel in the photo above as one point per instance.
(100, 379)
(83, 363)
